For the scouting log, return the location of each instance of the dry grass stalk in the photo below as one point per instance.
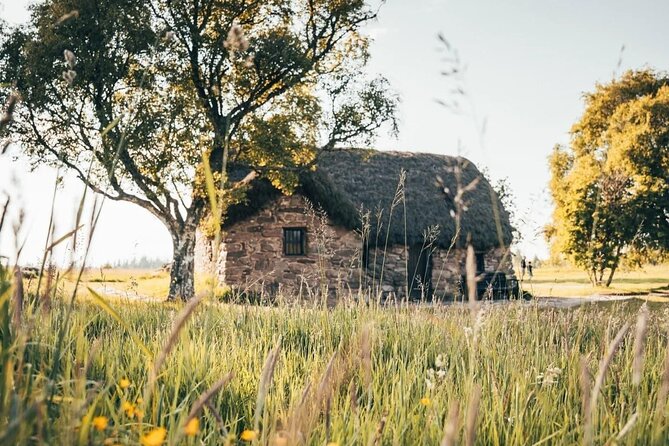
(3, 214)
(472, 415)
(661, 402)
(603, 367)
(470, 269)
(585, 382)
(324, 387)
(451, 428)
(304, 417)
(639, 341)
(628, 426)
(203, 400)
(376, 439)
(328, 427)
(366, 355)
(17, 298)
(265, 381)
(65, 17)
(178, 325)
(353, 396)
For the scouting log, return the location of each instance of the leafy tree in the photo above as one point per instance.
(611, 185)
(133, 96)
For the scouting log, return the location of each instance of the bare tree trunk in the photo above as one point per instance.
(593, 276)
(182, 273)
(614, 267)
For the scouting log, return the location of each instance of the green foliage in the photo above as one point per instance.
(611, 185)
(130, 95)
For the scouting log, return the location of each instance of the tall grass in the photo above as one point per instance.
(350, 375)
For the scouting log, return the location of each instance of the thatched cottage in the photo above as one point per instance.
(364, 219)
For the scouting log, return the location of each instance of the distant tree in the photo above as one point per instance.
(132, 96)
(611, 185)
(507, 196)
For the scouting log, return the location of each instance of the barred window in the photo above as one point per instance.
(294, 241)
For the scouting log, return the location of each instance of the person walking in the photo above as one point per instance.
(529, 269)
(522, 268)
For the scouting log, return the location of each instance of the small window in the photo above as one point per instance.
(294, 241)
(480, 263)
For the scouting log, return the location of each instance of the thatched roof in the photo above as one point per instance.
(349, 182)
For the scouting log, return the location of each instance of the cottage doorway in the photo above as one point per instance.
(420, 272)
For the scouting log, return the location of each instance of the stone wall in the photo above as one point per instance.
(251, 257)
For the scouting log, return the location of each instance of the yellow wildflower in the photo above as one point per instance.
(333, 443)
(192, 427)
(248, 435)
(128, 408)
(154, 438)
(140, 400)
(124, 383)
(100, 423)
(425, 401)
(109, 442)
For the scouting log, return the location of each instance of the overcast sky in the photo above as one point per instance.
(528, 62)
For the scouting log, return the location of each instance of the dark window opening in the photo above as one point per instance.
(294, 241)
(480, 263)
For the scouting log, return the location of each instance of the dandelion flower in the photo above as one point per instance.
(248, 435)
(124, 383)
(128, 408)
(100, 423)
(192, 427)
(333, 443)
(425, 401)
(154, 438)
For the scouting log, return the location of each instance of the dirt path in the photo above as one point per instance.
(109, 291)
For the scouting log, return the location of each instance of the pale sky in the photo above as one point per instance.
(528, 64)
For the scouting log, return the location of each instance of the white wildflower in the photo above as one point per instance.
(70, 58)
(550, 376)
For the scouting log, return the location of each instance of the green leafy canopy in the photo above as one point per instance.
(611, 185)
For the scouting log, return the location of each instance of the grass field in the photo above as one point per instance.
(548, 281)
(500, 375)
(568, 281)
(122, 372)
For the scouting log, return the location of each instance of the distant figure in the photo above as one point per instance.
(529, 269)
(522, 267)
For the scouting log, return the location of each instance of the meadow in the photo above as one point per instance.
(569, 281)
(112, 371)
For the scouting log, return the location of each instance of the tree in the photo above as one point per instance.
(134, 96)
(611, 185)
